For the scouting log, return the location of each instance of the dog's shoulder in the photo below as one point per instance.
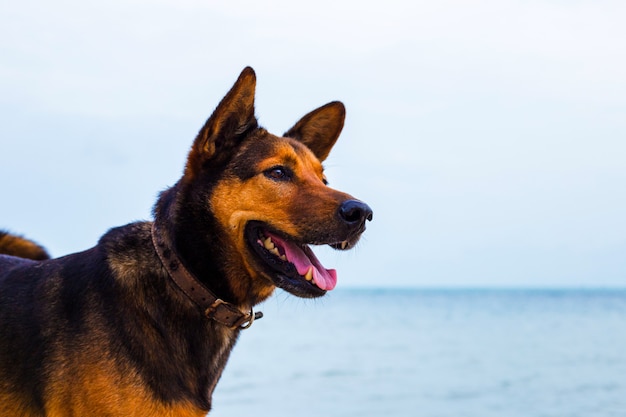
(129, 252)
(129, 240)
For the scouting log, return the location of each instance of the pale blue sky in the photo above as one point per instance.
(488, 136)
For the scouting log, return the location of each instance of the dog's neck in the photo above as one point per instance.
(188, 237)
(212, 307)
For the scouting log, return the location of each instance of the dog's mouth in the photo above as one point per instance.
(291, 265)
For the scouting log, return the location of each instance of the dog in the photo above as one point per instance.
(142, 324)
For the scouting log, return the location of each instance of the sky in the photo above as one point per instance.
(488, 136)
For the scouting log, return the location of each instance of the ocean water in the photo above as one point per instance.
(435, 353)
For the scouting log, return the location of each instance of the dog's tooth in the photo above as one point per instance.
(268, 244)
(283, 258)
(344, 244)
(274, 251)
(309, 274)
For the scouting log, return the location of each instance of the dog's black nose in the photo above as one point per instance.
(355, 212)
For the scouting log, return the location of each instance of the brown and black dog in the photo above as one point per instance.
(142, 324)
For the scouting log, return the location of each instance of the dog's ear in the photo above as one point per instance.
(320, 129)
(230, 122)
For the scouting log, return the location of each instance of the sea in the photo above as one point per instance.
(432, 353)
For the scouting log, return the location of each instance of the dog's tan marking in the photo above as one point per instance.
(95, 386)
(12, 406)
(288, 206)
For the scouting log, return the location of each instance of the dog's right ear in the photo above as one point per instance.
(230, 122)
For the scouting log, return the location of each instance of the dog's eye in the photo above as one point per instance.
(278, 173)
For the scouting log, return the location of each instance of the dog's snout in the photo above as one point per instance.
(355, 212)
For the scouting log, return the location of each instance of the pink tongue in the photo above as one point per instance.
(303, 259)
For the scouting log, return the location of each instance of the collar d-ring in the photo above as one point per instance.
(252, 316)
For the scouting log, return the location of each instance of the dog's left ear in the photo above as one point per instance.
(228, 125)
(320, 129)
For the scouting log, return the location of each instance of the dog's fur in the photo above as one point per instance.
(106, 332)
(18, 246)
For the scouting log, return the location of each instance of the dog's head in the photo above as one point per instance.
(268, 198)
